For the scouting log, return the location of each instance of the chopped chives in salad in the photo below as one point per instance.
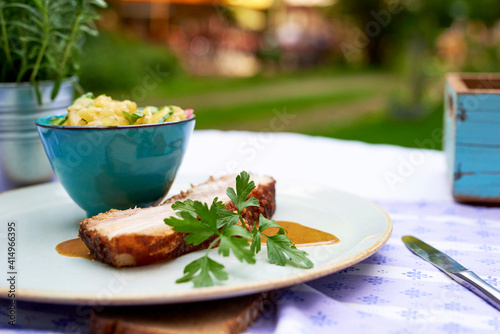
(88, 110)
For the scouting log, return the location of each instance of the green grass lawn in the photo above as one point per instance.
(328, 101)
(352, 105)
(382, 129)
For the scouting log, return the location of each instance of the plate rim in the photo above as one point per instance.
(207, 293)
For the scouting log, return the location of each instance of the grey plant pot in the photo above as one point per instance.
(22, 157)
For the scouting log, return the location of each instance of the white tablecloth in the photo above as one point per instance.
(381, 172)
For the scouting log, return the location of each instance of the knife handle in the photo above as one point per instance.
(477, 285)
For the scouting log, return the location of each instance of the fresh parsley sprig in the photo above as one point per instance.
(279, 247)
(202, 223)
(219, 226)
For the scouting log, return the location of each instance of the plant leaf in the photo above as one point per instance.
(99, 3)
(243, 188)
(92, 31)
(280, 248)
(132, 118)
(37, 91)
(265, 223)
(235, 230)
(256, 240)
(58, 120)
(207, 215)
(164, 118)
(227, 217)
(55, 90)
(186, 206)
(198, 231)
(205, 266)
(202, 222)
(234, 239)
(197, 219)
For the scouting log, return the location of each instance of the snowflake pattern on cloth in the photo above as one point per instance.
(403, 293)
(392, 291)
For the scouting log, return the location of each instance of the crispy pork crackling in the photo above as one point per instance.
(137, 237)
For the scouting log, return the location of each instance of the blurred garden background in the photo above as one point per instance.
(370, 70)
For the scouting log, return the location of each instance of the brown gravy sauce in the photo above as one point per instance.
(300, 235)
(74, 248)
(303, 236)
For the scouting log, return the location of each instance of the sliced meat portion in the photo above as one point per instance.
(137, 237)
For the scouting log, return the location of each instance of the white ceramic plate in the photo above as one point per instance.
(45, 216)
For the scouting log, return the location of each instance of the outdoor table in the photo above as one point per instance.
(392, 291)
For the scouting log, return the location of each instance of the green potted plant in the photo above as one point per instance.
(40, 49)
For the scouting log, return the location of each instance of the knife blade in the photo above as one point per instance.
(455, 270)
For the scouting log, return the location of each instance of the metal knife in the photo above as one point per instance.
(454, 269)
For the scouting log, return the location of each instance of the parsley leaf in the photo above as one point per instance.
(198, 220)
(201, 223)
(227, 217)
(205, 266)
(225, 228)
(207, 216)
(243, 188)
(186, 206)
(239, 246)
(279, 247)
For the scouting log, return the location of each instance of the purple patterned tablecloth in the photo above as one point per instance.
(392, 291)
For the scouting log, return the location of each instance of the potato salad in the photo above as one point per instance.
(104, 111)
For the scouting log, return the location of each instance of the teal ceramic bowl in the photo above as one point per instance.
(121, 167)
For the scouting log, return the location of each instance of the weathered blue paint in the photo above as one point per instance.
(472, 142)
(487, 134)
(477, 159)
(480, 186)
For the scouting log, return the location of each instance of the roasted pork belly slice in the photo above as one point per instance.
(137, 237)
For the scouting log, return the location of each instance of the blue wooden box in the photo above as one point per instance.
(472, 136)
